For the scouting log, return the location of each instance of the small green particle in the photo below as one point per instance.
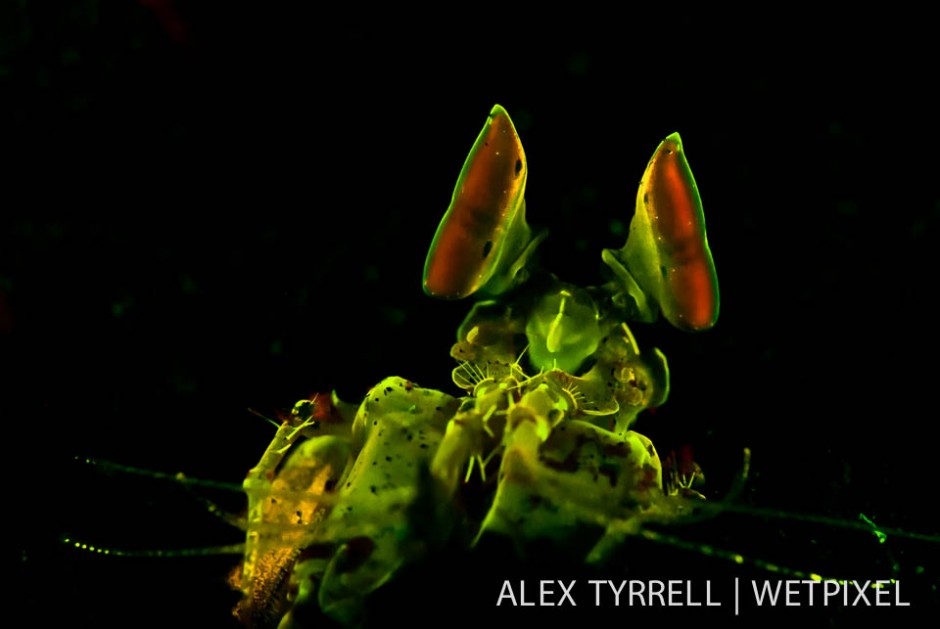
(617, 228)
(394, 316)
(578, 63)
(847, 208)
(187, 284)
(878, 533)
(69, 56)
(120, 308)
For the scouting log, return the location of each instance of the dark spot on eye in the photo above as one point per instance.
(487, 248)
(664, 271)
(646, 198)
(388, 458)
(372, 489)
(388, 390)
(518, 167)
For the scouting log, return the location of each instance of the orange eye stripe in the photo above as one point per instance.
(695, 297)
(673, 197)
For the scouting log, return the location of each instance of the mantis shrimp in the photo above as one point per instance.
(347, 496)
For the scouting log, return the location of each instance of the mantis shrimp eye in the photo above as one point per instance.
(666, 259)
(483, 240)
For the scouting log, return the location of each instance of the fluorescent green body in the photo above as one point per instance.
(552, 382)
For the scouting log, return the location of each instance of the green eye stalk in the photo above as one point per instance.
(552, 380)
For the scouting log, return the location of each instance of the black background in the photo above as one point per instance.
(238, 216)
